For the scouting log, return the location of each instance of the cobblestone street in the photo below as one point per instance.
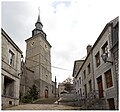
(42, 107)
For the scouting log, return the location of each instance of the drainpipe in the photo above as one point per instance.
(55, 86)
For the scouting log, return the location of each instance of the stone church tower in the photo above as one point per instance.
(38, 59)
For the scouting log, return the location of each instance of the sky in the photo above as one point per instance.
(70, 26)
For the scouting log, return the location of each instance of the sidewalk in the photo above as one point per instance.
(43, 107)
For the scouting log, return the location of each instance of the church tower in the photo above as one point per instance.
(38, 59)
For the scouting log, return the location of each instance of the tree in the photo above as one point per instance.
(68, 84)
(33, 93)
(68, 80)
(68, 87)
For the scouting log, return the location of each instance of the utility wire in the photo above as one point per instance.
(47, 65)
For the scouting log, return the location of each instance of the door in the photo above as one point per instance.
(46, 93)
(111, 104)
(100, 86)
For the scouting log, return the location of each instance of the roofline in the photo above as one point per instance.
(103, 31)
(10, 40)
(83, 63)
(101, 34)
(75, 64)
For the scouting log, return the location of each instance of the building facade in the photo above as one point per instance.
(106, 71)
(38, 59)
(100, 87)
(77, 65)
(103, 72)
(84, 80)
(10, 70)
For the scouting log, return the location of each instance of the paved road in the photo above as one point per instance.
(42, 107)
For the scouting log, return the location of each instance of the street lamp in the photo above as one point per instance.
(104, 57)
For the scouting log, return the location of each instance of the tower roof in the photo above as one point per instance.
(38, 18)
(38, 26)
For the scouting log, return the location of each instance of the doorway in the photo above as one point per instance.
(111, 103)
(100, 86)
(46, 93)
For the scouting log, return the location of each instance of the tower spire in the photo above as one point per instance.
(38, 14)
(38, 26)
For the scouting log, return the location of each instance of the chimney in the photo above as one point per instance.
(89, 48)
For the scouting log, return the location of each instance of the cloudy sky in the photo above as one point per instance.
(70, 26)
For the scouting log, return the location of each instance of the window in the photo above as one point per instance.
(108, 78)
(80, 80)
(97, 58)
(75, 83)
(90, 85)
(10, 102)
(8, 87)
(89, 69)
(105, 48)
(84, 73)
(80, 92)
(11, 58)
(78, 83)
(85, 87)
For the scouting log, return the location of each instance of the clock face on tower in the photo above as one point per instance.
(46, 48)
